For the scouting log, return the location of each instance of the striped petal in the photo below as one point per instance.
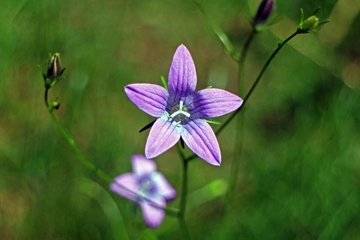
(150, 98)
(163, 135)
(200, 138)
(210, 103)
(182, 75)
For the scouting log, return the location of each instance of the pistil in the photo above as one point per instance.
(180, 111)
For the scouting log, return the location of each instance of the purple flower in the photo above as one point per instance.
(263, 12)
(147, 187)
(181, 111)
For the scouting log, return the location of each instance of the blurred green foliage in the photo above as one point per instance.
(299, 172)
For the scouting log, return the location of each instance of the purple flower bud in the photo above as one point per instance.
(263, 12)
(55, 69)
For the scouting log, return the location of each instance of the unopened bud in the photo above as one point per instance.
(310, 23)
(264, 10)
(56, 105)
(55, 69)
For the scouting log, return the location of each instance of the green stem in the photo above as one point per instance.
(184, 187)
(182, 209)
(184, 227)
(240, 126)
(256, 82)
(46, 98)
(172, 212)
(73, 145)
(219, 32)
(244, 54)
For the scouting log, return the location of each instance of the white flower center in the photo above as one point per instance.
(179, 112)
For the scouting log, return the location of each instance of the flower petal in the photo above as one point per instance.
(164, 187)
(212, 102)
(152, 211)
(182, 75)
(141, 165)
(150, 98)
(201, 139)
(125, 185)
(163, 135)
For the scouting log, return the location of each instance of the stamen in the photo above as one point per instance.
(180, 111)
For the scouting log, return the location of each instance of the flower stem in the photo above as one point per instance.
(184, 188)
(256, 82)
(240, 126)
(46, 98)
(219, 32)
(243, 55)
(73, 145)
(184, 227)
(182, 209)
(172, 212)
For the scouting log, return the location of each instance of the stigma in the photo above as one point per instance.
(179, 113)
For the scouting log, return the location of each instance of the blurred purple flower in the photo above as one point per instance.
(181, 111)
(147, 187)
(263, 12)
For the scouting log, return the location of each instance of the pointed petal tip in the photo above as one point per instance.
(183, 49)
(182, 77)
(214, 162)
(241, 101)
(149, 155)
(150, 98)
(182, 46)
(217, 164)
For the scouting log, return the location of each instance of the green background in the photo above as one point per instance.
(300, 167)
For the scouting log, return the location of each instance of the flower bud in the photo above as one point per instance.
(264, 10)
(54, 69)
(56, 105)
(310, 23)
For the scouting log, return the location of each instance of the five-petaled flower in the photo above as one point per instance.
(147, 187)
(181, 111)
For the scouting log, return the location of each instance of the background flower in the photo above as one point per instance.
(147, 187)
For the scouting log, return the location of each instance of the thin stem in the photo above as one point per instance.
(46, 98)
(244, 51)
(73, 145)
(182, 221)
(184, 181)
(182, 209)
(182, 156)
(184, 227)
(240, 126)
(219, 32)
(184, 188)
(256, 82)
(172, 212)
